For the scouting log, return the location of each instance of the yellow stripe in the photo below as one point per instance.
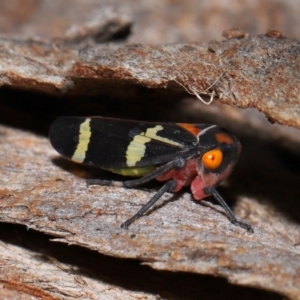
(152, 133)
(137, 147)
(84, 139)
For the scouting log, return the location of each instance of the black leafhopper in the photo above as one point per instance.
(181, 154)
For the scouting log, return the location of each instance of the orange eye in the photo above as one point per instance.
(212, 159)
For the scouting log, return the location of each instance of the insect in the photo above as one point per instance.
(199, 155)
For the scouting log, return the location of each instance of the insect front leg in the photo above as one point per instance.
(228, 211)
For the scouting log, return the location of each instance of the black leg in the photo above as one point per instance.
(168, 187)
(90, 182)
(177, 163)
(229, 213)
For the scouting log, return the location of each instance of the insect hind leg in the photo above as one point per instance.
(90, 182)
(167, 187)
(174, 164)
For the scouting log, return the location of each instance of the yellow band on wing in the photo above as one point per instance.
(137, 147)
(84, 139)
(152, 133)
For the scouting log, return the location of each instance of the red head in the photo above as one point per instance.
(219, 153)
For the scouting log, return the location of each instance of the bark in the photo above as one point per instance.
(72, 58)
